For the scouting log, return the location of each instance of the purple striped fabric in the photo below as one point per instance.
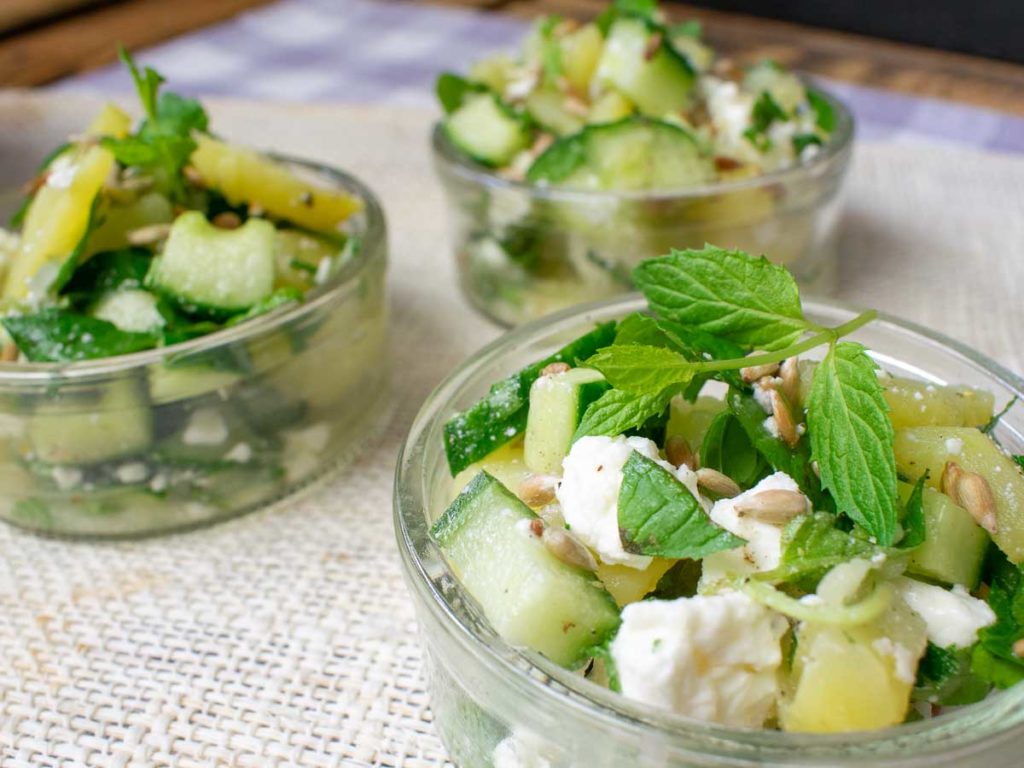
(390, 51)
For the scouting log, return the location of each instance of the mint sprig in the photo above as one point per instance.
(659, 516)
(642, 370)
(852, 439)
(616, 412)
(748, 301)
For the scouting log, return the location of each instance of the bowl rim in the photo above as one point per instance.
(836, 151)
(535, 674)
(372, 235)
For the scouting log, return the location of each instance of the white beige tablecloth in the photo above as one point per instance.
(286, 637)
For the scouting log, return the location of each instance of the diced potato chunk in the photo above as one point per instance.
(921, 449)
(581, 50)
(505, 464)
(627, 585)
(243, 175)
(855, 679)
(57, 219)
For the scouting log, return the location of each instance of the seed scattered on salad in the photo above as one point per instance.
(629, 101)
(132, 239)
(846, 557)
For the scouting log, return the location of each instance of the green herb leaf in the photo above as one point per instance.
(913, 516)
(747, 301)
(147, 82)
(945, 678)
(804, 140)
(811, 546)
(765, 112)
(996, 418)
(642, 370)
(728, 449)
(824, 114)
(659, 516)
(501, 416)
(58, 336)
(795, 462)
(279, 298)
(617, 412)
(852, 439)
(560, 160)
(452, 90)
(692, 28)
(108, 271)
(550, 50)
(997, 663)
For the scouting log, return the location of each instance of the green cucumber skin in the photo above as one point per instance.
(501, 416)
(555, 414)
(531, 597)
(469, 142)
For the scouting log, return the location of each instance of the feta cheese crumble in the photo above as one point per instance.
(953, 617)
(714, 658)
(764, 540)
(589, 493)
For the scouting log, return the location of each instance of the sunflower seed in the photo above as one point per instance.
(653, 46)
(784, 419)
(227, 220)
(1018, 648)
(568, 548)
(678, 452)
(789, 373)
(148, 235)
(716, 482)
(776, 506)
(972, 492)
(757, 372)
(538, 490)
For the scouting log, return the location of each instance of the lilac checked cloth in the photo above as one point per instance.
(388, 51)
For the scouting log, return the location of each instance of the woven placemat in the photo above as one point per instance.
(286, 637)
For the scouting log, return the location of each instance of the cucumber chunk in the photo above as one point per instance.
(660, 84)
(634, 153)
(220, 271)
(531, 597)
(921, 449)
(85, 430)
(501, 416)
(954, 546)
(547, 107)
(486, 130)
(557, 404)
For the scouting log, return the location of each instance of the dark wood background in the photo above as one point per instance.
(46, 40)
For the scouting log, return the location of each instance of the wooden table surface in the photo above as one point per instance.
(72, 42)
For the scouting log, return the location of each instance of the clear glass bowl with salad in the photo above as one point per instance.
(190, 329)
(605, 143)
(715, 527)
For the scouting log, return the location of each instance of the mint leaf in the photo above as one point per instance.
(997, 662)
(727, 448)
(825, 116)
(795, 462)
(641, 370)
(147, 82)
(765, 112)
(616, 412)
(852, 439)
(452, 90)
(108, 271)
(811, 546)
(557, 162)
(804, 140)
(659, 516)
(996, 418)
(58, 336)
(550, 50)
(945, 678)
(913, 516)
(747, 301)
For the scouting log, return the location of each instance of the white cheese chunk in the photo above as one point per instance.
(589, 493)
(953, 617)
(764, 540)
(713, 658)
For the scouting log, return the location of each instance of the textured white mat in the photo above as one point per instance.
(286, 637)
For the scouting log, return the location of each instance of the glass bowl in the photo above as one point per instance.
(493, 702)
(523, 250)
(188, 434)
